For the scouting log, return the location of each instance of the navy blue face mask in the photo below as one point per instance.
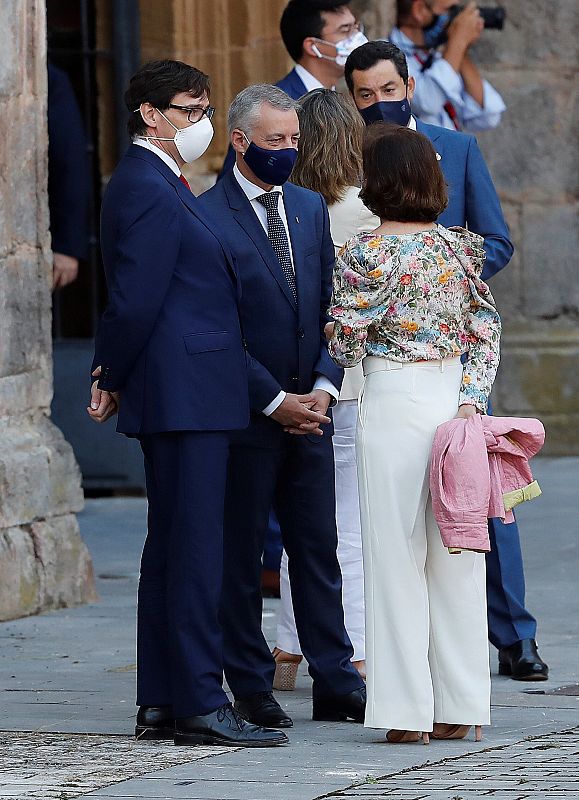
(435, 33)
(396, 111)
(271, 166)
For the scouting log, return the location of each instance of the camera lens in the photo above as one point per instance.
(493, 17)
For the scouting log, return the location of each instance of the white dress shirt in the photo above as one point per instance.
(252, 192)
(308, 80)
(439, 84)
(148, 145)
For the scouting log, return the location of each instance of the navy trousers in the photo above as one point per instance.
(272, 545)
(179, 644)
(508, 619)
(295, 475)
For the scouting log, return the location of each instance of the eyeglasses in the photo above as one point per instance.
(195, 113)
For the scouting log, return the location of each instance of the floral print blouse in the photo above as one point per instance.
(417, 297)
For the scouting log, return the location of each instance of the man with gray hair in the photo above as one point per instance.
(280, 237)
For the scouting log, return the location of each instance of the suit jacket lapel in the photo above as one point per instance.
(432, 132)
(245, 217)
(187, 197)
(297, 243)
(190, 201)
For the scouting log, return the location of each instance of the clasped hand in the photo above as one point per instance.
(301, 414)
(103, 405)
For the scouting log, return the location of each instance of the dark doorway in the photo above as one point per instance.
(96, 43)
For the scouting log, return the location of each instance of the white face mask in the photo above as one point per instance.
(343, 48)
(191, 142)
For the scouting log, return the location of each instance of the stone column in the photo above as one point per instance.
(43, 561)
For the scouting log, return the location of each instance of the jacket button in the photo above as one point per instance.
(294, 379)
(301, 333)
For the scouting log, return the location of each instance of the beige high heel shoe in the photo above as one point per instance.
(395, 736)
(286, 670)
(441, 730)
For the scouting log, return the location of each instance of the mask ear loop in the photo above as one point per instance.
(316, 50)
(156, 138)
(247, 140)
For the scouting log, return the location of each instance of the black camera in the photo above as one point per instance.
(493, 16)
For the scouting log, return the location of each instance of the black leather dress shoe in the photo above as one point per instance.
(155, 722)
(340, 707)
(522, 662)
(225, 727)
(263, 709)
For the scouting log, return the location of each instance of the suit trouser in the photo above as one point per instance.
(508, 619)
(295, 475)
(349, 540)
(179, 647)
(426, 633)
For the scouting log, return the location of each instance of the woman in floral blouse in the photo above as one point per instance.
(409, 301)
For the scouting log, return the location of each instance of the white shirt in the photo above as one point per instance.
(148, 145)
(308, 80)
(348, 217)
(440, 84)
(252, 192)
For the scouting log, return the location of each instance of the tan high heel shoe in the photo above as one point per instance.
(286, 670)
(395, 736)
(442, 731)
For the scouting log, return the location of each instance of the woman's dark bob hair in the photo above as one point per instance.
(402, 179)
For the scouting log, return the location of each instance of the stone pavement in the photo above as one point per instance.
(67, 688)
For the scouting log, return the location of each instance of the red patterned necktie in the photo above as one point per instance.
(184, 180)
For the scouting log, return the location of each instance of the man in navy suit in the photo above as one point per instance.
(280, 237)
(169, 345)
(68, 179)
(318, 35)
(377, 77)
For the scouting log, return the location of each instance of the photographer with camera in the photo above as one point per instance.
(436, 36)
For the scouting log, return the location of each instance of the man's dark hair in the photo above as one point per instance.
(368, 55)
(157, 83)
(402, 180)
(403, 9)
(303, 18)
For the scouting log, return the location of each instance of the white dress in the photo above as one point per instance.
(347, 217)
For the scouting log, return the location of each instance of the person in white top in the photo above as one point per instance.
(450, 91)
(329, 161)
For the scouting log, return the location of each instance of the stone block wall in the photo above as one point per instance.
(534, 159)
(43, 562)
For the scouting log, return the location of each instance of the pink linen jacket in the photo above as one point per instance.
(479, 468)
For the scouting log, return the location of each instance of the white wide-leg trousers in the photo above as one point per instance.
(349, 541)
(427, 656)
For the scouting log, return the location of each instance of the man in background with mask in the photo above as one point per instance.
(449, 90)
(378, 80)
(280, 236)
(169, 357)
(319, 35)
